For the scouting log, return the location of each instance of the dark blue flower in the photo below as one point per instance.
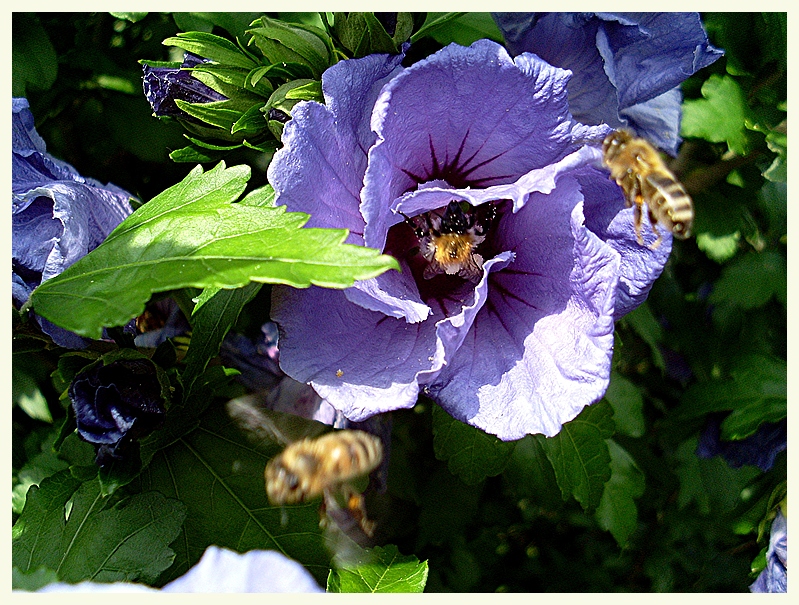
(58, 216)
(774, 578)
(759, 450)
(524, 342)
(116, 403)
(163, 85)
(627, 66)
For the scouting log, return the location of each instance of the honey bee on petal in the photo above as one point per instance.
(448, 242)
(316, 466)
(638, 169)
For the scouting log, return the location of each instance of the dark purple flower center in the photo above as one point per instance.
(445, 249)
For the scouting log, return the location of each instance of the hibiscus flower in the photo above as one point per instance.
(521, 340)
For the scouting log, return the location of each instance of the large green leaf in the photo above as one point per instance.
(719, 117)
(617, 511)
(67, 527)
(191, 235)
(579, 454)
(218, 473)
(382, 569)
(472, 454)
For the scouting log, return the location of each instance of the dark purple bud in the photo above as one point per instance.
(117, 403)
(759, 450)
(163, 85)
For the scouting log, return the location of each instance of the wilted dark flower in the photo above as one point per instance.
(524, 342)
(774, 578)
(759, 450)
(221, 570)
(163, 85)
(116, 403)
(58, 216)
(627, 66)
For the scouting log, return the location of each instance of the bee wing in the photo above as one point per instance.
(262, 424)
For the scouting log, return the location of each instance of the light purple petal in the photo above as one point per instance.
(540, 349)
(432, 123)
(363, 362)
(319, 170)
(607, 217)
(622, 63)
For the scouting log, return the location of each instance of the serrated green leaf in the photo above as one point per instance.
(212, 47)
(617, 511)
(579, 454)
(720, 117)
(126, 542)
(472, 455)
(40, 466)
(85, 541)
(627, 403)
(192, 236)
(382, 569)
(756, 392)
(219, 474)
(216, 312)
(752, 279)
(719, 249)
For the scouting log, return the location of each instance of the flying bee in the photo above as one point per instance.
(315, 466)
(638, 169)
(448, 242)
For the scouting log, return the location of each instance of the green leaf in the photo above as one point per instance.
(751, 280)
(720, 117)
(199, 154)
(382, 569)
(192, 236)
(617, 512)
(718, 248)
(212, 47)
(432, 22)
(778, 143)
(282, 42)
(33, 58)
(756, 392)
(132, 17)
(363, 34)
(472, 455)
(627, 402)
(463, 29)
(216, 312)
(579, 455)
(647, 327)
(218, 473)
(33, 580)
(40, 466)
(530, 476)
(27, 395)
(83, 540)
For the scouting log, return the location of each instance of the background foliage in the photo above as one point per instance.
(618, 501)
